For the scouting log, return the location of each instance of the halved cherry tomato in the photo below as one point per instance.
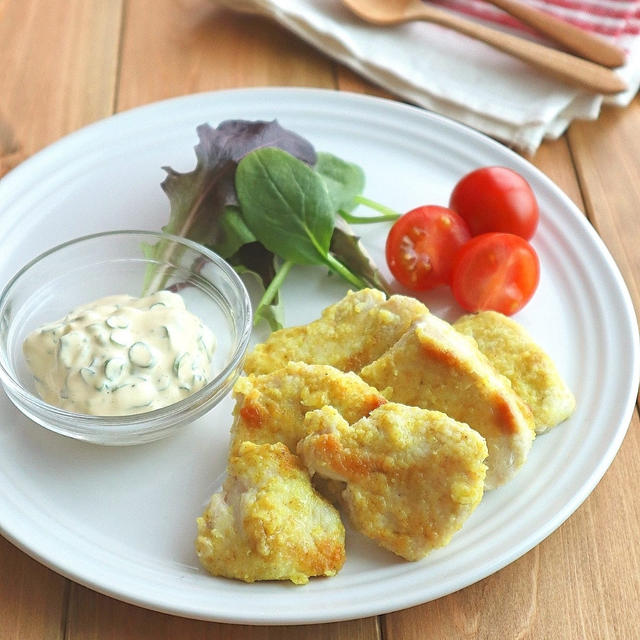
(422, 245)
(496, 271)
(496, 199)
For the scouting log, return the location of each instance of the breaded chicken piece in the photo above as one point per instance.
(513, 352)
(268, 523)
(271, 407)
(412, 476)
(348, 334)
(433, 366)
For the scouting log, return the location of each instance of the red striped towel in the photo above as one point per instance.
(617, 20)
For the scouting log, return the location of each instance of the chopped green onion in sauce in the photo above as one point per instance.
(121, 355)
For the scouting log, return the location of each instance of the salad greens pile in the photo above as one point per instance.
(261, 197)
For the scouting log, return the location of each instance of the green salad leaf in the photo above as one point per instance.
(200, 199)
(344, 180)
(234, 233)
(286, 205)
(255, 261)
(346, 246)
(345, 183)
(263, 199)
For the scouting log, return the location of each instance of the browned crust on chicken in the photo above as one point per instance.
(513, 352)
(348, 335)
(435, 367)
(412, 476)
(271, 407)
(268, 523)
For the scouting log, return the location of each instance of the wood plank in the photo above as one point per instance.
(176, 48)
(97, 617)
(67, 51)
(607, 158)
(32, 598)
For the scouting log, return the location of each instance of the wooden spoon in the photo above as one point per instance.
(576, 70)
(585, 44)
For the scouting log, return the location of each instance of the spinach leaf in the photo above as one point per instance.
(254, 260)
(344, 180)
(345, 183)
(286, 205)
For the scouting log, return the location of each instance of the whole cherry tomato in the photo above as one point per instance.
(496, 199)
(422, 246)
(495, 271)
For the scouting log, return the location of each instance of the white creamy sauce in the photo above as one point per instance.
(121, 355)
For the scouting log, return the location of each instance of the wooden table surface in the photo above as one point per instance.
(67, 63)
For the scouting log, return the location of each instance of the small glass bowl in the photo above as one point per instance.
(110, 263)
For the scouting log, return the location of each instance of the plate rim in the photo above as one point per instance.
(22, 172)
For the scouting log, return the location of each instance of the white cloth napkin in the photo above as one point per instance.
(461, 78)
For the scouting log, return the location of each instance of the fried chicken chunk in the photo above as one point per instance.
(348, 335)
(513, 352)
(412, 476)
(268, 523)
(433, 366)
(271, 407)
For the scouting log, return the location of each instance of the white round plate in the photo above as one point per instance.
(122, 520)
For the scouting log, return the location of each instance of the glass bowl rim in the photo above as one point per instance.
(159, 417)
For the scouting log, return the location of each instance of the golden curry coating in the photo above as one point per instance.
(433, 366)
(271, 407)
(513, 352)
(348, 335)
(412, 476)
(268, 523)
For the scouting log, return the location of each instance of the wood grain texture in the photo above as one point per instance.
(174, 48)
(96, 617)
(579, 41)
(607, 157)
(58, 72)
(33, 599)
